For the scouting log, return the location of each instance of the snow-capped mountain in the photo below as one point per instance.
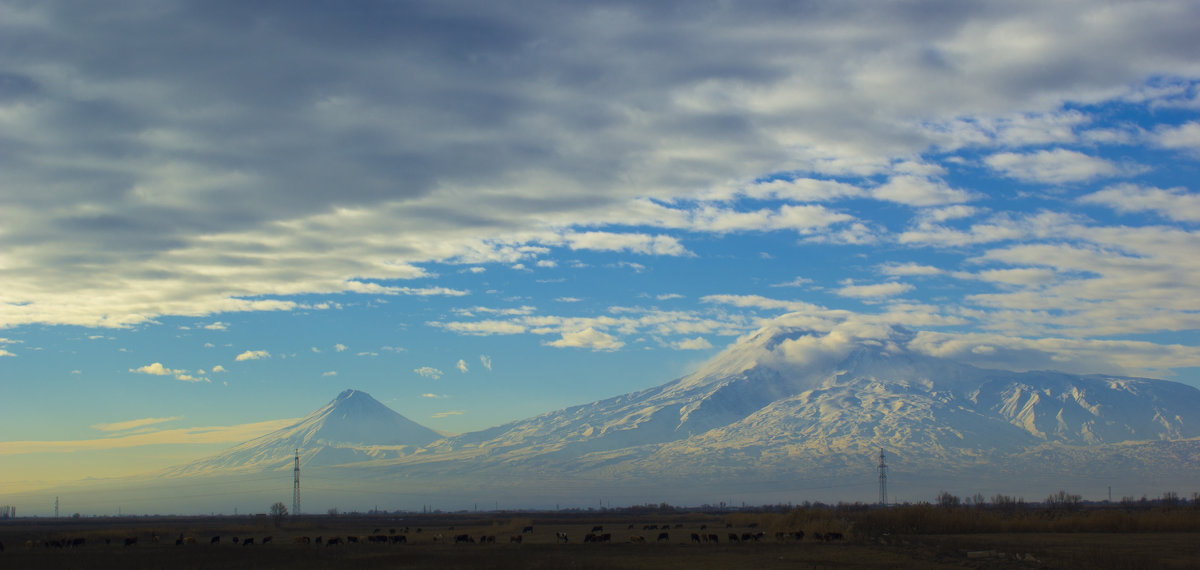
(354, 427)
(779, 407)
(790, 401)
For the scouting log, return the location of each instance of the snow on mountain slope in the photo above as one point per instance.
(353, 427)
(784, 396)
(781, 403)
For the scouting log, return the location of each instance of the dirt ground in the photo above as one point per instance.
(430, 542)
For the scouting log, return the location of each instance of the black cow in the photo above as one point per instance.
(463, 538)
(598, 528)
(733, 537)
(528, 529)
(130, 541)
(332, 541)
(696, 538)
(399, 539)
(560, 537)
(664, 536)
(215, 540)
(713, 538)
(248, 541)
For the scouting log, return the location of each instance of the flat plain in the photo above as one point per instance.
(460, 541)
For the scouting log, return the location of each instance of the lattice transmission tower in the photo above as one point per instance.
(882, 480)
(296, 486)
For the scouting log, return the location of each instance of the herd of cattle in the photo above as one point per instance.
(596, 535)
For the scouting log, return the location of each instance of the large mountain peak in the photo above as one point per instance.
(352, 427)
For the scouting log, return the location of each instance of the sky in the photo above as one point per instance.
(216, 216)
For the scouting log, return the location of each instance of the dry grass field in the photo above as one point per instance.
(430, 542)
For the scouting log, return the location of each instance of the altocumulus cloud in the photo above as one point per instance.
(428, 372)
(253, 355)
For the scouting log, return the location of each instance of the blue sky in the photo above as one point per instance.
(215, 216)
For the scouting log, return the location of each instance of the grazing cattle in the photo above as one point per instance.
(215, 540)
(130, 541)
(713, 538)
(664, 536)
(589, 537)
(598, 528)
(487, 539)
(267, 539)
(399, 539)
(318, 541)
(696, 538)
(635, 539)
(350, 539)
(759, 536)
(463, 538)
(248, 541)
(376, 531)
(649, 527)
(333, 541)
(630, 527)
(747, 537)
(528, 529)
(74, 542)
(515, 538)
(560, 537)
(235, 540)
(438, 537)
(606, 537)
(733, 537)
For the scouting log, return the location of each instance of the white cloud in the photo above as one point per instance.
(698, 343)
(134, 424)
(918, 191)
(874, 291)
(217, 369)
(329, 373)
(1056, 166)
(486, 361)
(462, 366)
(184, 377)
(217, 326)
(1185, 136)
(1175, 204)
(4, 352)
(433, 396)
(252, 355)
(156, 369)
(429, 372)
(339, 347)
(447, 414)
(908, 269)
(797, 282)
(587, 338)
(633, 243)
